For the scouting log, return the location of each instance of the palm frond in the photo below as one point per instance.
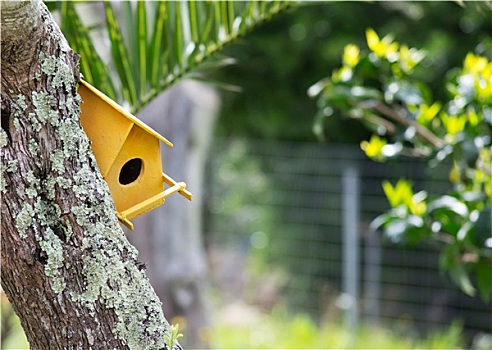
(146, 57)
(92, 67)
(142, 50)
(121, 56)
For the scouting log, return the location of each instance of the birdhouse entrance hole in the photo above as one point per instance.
(130, 171)
(128, 157)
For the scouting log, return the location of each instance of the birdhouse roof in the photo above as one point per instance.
(126, 114)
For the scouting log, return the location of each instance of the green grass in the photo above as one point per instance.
(16, 339)
(280, 331)
(283, 331)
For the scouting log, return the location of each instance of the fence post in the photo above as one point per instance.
(372, 276)
(350, 222)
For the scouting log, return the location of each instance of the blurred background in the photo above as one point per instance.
(275, 251)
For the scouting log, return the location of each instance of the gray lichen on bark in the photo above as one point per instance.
(58, 218)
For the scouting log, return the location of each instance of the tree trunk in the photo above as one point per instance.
(67, 268)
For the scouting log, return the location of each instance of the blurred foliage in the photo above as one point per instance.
(283, 331)
(152, 44)
(284, 56)
(12, 336)
(380, 88)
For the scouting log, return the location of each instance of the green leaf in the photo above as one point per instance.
(451, 261)
(484, 279)
(395, 230)
(92, 66)
(120, 56)
(403, 91)
(464, 231)
(193, 19)
(405, 230)
(372, 39)
(365, 93)
(315, 89)
(156, 50)
(453, 123)
(382, 220)
(218, 84)
(409, 58)
(224, 14)
(374, 149)
(53, 5)
(218, 22)
(460, 276)
(207, 26)
(451, 204)
(147, 59)
(142, 50)
(351, 55)
(178, 38)
(383, 48)
(426, 113)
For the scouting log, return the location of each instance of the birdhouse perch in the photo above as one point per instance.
(128, 154)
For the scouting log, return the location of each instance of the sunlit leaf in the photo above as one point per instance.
(451, 204)
(455, 174)
(426, 113)
(382, 48)
(351, 55)
(409, 58)
(402, 91)
(381, 221)
(374, 147)
(396, 229)
(400, 230)
(464, 231)
(474, 64)
(453, 123)
(372, 39)
(392, 150)
(343, 74)
(363, 92)
(391, 194)
(417, 205)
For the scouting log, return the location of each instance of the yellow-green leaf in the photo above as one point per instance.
(426, 113)
(453, 123)
(351, 55)
(372, 39)
(374, 148)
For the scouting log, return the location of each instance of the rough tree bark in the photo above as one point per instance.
(67, 268)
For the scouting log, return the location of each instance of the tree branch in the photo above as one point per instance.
(390, 113)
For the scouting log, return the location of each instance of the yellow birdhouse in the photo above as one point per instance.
(128, 154)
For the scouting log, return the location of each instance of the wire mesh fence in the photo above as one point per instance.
(291, 208)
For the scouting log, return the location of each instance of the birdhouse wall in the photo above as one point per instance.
(136, 173)
(105, 127)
